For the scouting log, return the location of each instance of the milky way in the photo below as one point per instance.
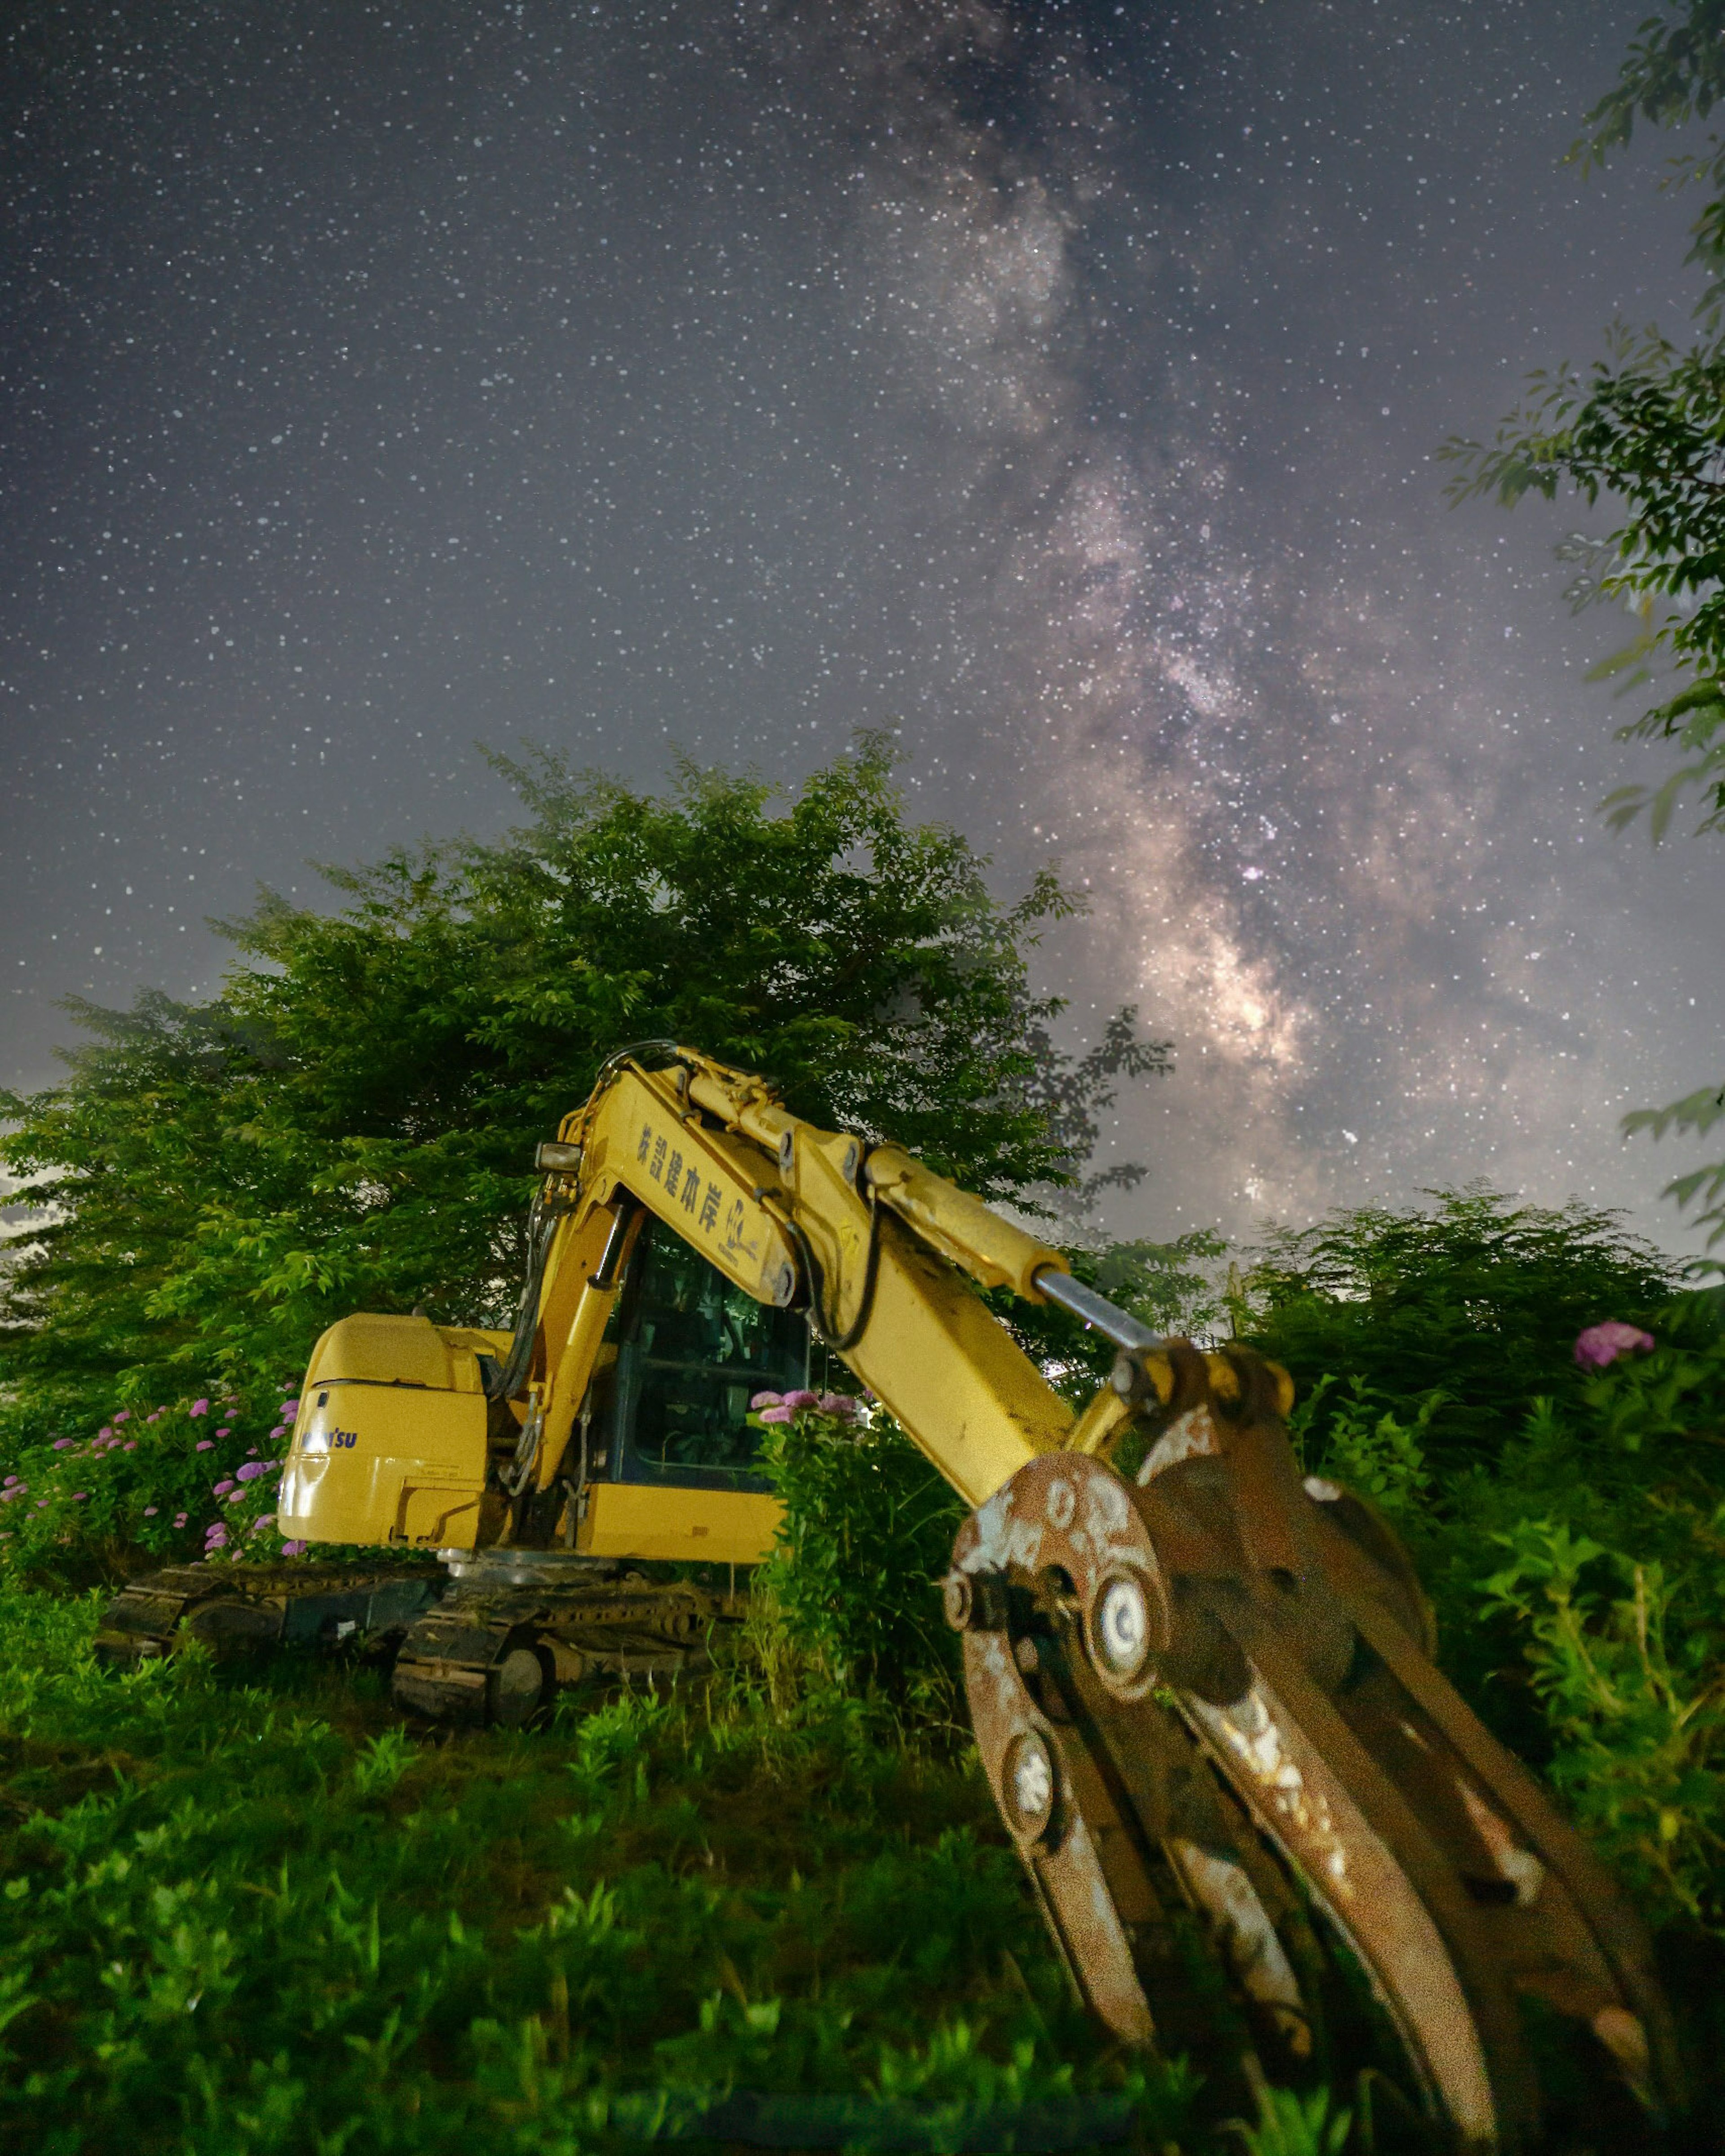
(1057, 384)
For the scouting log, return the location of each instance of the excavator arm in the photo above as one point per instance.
(1201, 1683)
(867, 1241)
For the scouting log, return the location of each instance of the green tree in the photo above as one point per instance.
(349, 1124)
(1644, 427)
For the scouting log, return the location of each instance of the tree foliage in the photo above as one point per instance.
(1645, 429)
(1477, 1298)
(349, 1124)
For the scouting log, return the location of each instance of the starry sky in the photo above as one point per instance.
(1058, 383)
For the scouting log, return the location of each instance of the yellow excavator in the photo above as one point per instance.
(1201, 1684)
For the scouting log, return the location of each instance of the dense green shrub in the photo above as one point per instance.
(1574, 1546)
(195, 1479)
(867, 1537)
(1474, 1296)
(1569, 1523)
(1580, 1587)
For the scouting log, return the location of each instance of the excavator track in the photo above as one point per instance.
(496, 1651)
(234, 1607)
(1200, 1688)
(491, 1645)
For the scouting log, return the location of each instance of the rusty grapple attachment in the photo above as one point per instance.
(1203, 1690)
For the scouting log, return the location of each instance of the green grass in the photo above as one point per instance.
(247, 1911)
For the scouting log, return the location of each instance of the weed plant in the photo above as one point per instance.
(869, 1527)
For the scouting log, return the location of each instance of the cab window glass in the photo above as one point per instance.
(698, 1349)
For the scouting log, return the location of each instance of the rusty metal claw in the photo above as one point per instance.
(1199, 1683)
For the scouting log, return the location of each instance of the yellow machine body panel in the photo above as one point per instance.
(716, 1526)
(389, 1444)
(402, 1351)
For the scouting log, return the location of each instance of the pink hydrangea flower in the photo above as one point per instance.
(783, 1412)
(767, 1399)
(290, 1409)
(156, 1417)
(226, 1432)
(216, 1538)
(837, 1403)
(79, 1496)
(106, 1430)
(62, 1445)
(198, 1407)
(151, 1511)
(204, 1445)
(280, 1430)
(221, 1489)
(179, 1519)
(294, 1549)
(124, 1415)
(802, 1398)
(1601, 1345)
(129, 1446)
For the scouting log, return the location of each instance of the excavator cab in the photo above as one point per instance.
(672, 1469)
(692, 1350)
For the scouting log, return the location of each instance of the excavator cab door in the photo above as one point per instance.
(674, 1470)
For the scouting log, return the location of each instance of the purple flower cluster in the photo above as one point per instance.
(786, 1406)
(244, 1487)
(1601, 1345)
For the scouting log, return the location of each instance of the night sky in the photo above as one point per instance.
(1059, 384)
